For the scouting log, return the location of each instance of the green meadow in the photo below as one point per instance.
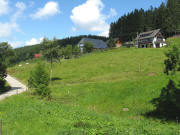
(101, 93)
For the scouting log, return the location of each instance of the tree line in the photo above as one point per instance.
(166, 17)
(27, 52)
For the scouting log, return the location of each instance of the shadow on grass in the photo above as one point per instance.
(15, 88)
(56, 79)
(5, 89)
(163, 116)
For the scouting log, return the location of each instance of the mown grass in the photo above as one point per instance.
(89, 95)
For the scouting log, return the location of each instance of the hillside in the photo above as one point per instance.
(27, 52)
(100, 93)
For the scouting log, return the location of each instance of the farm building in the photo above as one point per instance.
(97, 44)
(152, 39)
(37, 56)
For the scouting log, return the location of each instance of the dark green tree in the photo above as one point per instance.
(3, 72)
(172, 63)
(39, 81)
(111, 43)
(168, 103)
(10, 57)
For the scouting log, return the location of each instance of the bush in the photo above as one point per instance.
(111, 43)
(168, 104)
(172, 63)
(3, 74)
(67, 51)
(2, 84)
(88, 47)
(39, 81)
(76, 51)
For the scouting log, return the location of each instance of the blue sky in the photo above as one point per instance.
(26, 22)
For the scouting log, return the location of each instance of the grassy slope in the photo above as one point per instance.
(90, 95)
(174, 41)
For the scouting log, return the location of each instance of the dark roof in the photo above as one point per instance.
(148, 34)
(96, 42)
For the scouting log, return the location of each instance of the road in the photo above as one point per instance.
(16, 87)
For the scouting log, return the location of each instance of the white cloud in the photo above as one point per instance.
(20, 8)
(7, 28)
(4, 8)
(50, 9)
(89, 16)
(34, 41)
(16, 44)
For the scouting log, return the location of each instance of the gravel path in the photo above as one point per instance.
(16, 87)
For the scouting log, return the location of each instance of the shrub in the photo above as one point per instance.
(39, 81)
(111, 43)
(76, 51)
(67, 51)
(168, 104)
(172, 63)
(3, 74)
(88, 47)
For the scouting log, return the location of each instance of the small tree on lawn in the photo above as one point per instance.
(168, 103)
(88, 47)
(39, 81)
(111, 43)
(51, 52)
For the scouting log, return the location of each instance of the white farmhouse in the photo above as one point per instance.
(152, 38)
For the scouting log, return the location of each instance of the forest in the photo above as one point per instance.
(166, 17)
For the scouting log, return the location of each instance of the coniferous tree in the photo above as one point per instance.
(166, 17)
(111, 43)
(39, 81)
(168, 103)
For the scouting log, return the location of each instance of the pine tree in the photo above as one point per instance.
(39, 81)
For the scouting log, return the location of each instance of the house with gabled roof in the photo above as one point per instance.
(97, 44)
(152, 39)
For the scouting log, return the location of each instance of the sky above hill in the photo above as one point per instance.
(26, 22)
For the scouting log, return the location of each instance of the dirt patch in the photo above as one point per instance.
(152, 74)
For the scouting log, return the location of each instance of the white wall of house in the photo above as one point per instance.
(164, 44)
(154, 40)
(81, 47)
(160, 45)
